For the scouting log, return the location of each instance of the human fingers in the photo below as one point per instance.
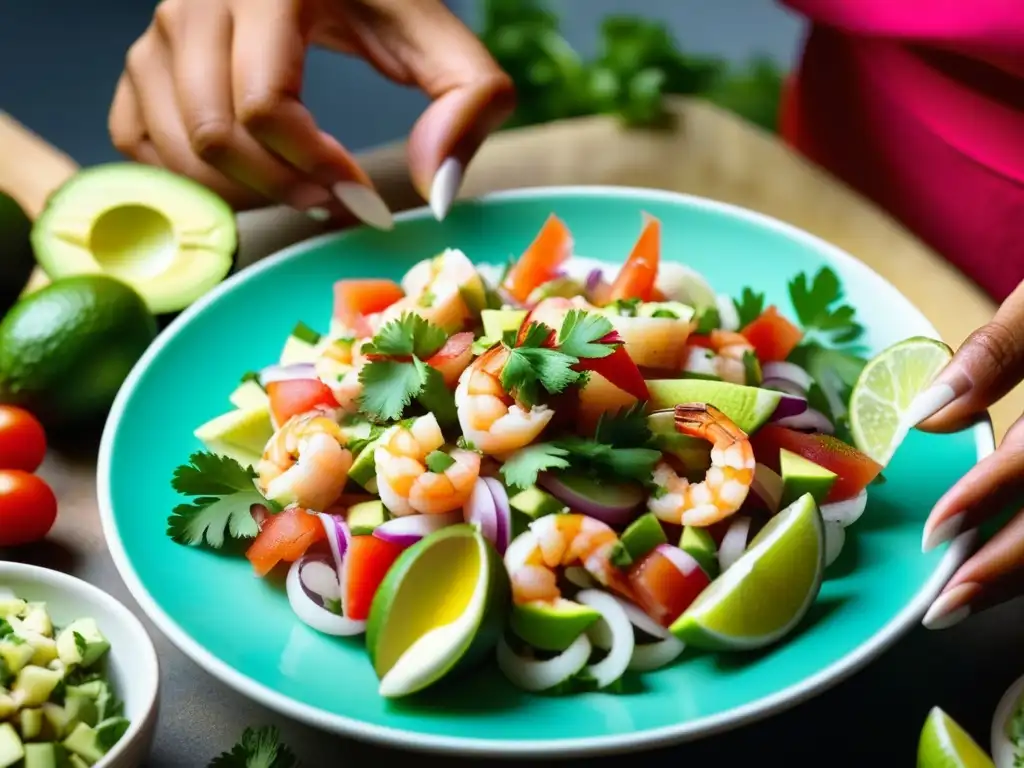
(266, 84)
(422, 41)
(987, 366)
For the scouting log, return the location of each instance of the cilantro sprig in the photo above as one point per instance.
(749, 306)
(223, 492)
(258, 748)
(820, 308)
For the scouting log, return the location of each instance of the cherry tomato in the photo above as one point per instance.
(27, 508)
(22, 439)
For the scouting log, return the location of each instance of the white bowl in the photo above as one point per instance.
(132, 662)
(1003, 752)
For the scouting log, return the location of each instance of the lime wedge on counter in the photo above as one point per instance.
(944, 744)
(886, 388)
(767, 591)
(443, 604)
(747, 407)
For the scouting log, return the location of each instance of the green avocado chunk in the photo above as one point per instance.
(800, 476)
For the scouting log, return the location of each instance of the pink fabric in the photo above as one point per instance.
(919, 104)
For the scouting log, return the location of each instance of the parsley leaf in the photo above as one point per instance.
(521, 469)
(224, 492)
(258, 748)
(408, 335)
(585, 334)
(815, 305)
(749, 306)
(626, 428)
(388, 388)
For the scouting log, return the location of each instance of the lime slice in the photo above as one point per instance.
(747, 407)
(944, 744)
(442, 605)
(886, 388)
(767, 591)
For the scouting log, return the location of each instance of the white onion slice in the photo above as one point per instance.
(578, 576)
(650, 656)
(790, 372)
(481, 511)
(845, 512)
(785, 386)
(734, 543)
(728, 317)
(273, 373)
(700, 361)
(835, 538)
(612, 666)
(767, 484)
(320, 578)
(316, 616)
(812, 420)
(540, 675)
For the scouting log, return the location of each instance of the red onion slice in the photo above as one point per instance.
(790, 372)
(504, 513)
(785, 386)
(734, 543)
(768, 487)
(537, 675)
(594, 278)
(406, 531)
(616, 515)
(808, 421)
(314, 615)
(684, 561)
(338, 538)
(287, 372)
(845, 512)
(789, 405)
(481, 511)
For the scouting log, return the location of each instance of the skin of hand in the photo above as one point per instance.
(212, 89)
(987, 366)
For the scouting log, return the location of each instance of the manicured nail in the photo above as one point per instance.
(365, 204)
(318, 214)
(951, 607)
(929, 402)
(445, 187)
(942, 532)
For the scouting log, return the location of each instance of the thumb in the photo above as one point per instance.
(987, 366)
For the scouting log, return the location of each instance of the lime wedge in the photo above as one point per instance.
(767, 591)
(886, 388)
(442, 605)
(747, 407)
(944, 744)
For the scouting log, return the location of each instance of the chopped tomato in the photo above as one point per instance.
(598, 397)
(451, 359)
(666, 586)
(284, 537)
(354, 299)
(773, 336)
(367, 561)
(541, 260)
(620, 370)
(294, 396)
(637, 277)
(853, 469)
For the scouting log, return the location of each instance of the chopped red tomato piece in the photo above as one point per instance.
(367, 561)
(354, 299)
(294, 396)
(637, 277)
(284, 537)
(620, 370)
(453, 358)
(772, 336)
(665, 586)
(853, 469)
(541, 260)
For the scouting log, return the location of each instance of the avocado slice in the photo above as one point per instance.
(639, 538)
(168, 237)
(81, 643)
(16, 259)
(364, 468)
(31, 723)
(800, 476)
(83, 742)
(497, 321)
(699, 544)
(300, 347)
(551, 626)
(43, 756)
(362, 518)
(249, 395)
(241, 434)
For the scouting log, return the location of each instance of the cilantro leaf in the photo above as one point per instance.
(537, 335)
(749, 306)
(388, 388)
(751, 369)
(409, 335)
(627, 463)
(110, 731)
(815, 306)
(529, 369)
(582, 333)
(434, 395)
(708, 320)
(5, 628)
(625, 428)
(521, 469)
(303, 332)
(258, 748)
(224, 494)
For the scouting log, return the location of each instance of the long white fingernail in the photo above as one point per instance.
(950, 607)
(445, 187)
(941, 533)
(928, 403)
(365, 204)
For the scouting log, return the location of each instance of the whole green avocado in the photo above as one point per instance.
(16, 259)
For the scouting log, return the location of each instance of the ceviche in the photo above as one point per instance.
(574, 468)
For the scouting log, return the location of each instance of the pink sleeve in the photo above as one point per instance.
(995, 25)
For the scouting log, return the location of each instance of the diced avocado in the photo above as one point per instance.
(364, 468)
(34, 685)
(245, 430)
(81, 643)
(11, 606)
(11, 748)
(37, 619)
(249, 395)
(700, 545)
(168, 237)
(107, 704)
(497, 321)
(642, 535)
(43, 756)
(301, 346)
(15, 653)
(79, 708)
(551, 626)
(110, 731)
(31, 723)
(535, 503)
(800, 476)
(57, 720)
(8, 706)
(670, 309)
(364, 517)
(562, 287)
(82, 741)
(90, 690)
(74, 761)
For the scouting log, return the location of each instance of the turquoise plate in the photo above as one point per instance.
(241, 629)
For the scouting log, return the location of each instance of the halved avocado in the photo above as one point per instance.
(16, 260)
(167, 236)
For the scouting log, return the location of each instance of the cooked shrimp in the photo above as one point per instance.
(727, 482)
(490, 419)
(722, 357)
(407, 486)
(305, 462)
(556, 541)
(446, 290)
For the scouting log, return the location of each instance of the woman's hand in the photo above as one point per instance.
(212, 90)
(988, 365)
